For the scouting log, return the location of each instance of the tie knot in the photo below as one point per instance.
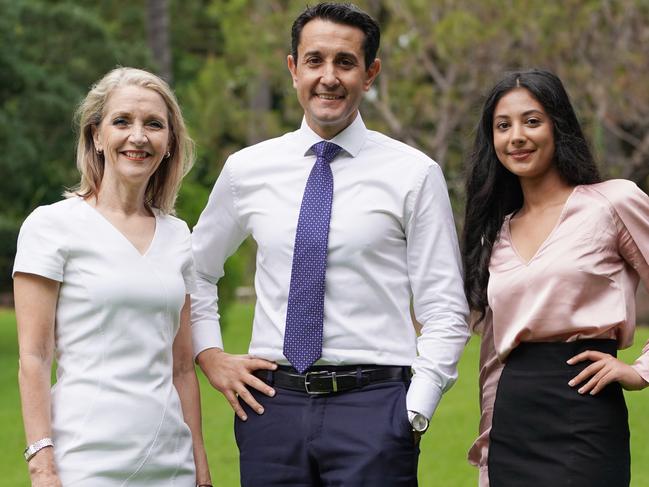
(326, 150)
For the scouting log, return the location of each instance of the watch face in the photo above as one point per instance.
(419, 423)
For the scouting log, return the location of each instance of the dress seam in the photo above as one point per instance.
(99, 384)
(148, 453)
(171, 336)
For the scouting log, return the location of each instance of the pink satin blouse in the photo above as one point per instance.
(581, 283)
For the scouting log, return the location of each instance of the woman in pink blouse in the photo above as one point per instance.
(552, 259)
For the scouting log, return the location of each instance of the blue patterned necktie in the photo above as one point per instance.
(305, 312)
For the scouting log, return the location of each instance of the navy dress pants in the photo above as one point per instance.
(352, 439)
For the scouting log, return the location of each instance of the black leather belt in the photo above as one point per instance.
(330, 379)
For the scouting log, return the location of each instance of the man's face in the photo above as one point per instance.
(329, 75)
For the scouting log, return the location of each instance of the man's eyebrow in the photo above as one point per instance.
(338, 54)
(311, 53)
(346, 54)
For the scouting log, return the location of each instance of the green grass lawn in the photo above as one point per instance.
(442, 462)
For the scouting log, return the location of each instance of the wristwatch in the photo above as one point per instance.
(418, 421)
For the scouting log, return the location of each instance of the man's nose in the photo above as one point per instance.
(329, 76)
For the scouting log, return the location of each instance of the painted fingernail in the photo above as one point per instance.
(581, 391)
(271, 392)
(260, 411)
(571, 383)
(244, 418)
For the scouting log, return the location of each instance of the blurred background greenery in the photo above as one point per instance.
(226, 60)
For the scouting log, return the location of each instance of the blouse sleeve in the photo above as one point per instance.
(631, 206)
(490, 370)
(41, 246)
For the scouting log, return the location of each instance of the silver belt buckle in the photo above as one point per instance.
(307, 382)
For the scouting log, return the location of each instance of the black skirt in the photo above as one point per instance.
(544, 433)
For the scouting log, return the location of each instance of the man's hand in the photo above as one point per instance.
(232, 374)
(604, 370)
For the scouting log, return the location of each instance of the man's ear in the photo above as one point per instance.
(292, 67)
(371, 73)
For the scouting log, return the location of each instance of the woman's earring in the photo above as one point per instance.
(167, 155)
(99, 152)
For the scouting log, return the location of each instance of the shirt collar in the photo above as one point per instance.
(351, 139)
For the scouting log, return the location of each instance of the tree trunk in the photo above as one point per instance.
(158, 37)
(259, 90)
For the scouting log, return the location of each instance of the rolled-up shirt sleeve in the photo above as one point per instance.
(216, 236)
(435, 274)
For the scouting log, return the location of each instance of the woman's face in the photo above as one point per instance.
(523, 135)
(134, 134)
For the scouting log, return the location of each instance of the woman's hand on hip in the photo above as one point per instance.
(604, 370)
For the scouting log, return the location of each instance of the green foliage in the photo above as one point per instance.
(191, 201)
(229, 63)
(8, 236)
(51, 53)
(44, 76)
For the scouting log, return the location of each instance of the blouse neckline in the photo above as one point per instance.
(548, 238)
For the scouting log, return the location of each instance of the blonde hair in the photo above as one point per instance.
(162, 188)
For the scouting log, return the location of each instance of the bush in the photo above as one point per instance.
(8, 236)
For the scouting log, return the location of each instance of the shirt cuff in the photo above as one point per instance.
(206, 334)
(642, 367)
(423, 396)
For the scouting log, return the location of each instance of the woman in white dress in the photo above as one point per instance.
(102, 282)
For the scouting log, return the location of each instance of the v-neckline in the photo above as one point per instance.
(546, 240)
(121, 234)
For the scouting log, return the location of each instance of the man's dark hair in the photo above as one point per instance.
(340, 13)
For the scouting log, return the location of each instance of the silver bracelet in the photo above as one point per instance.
(37, 446)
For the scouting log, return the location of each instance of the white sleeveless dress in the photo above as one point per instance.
(116, 415)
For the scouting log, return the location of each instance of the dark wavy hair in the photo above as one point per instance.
(340, 13)
(492, 192)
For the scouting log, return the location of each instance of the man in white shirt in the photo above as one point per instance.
(325, 396)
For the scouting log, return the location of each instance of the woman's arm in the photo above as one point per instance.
(35, 300)
(630, 207)
(187, 386)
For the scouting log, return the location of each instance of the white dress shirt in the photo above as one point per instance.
(391, 238)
